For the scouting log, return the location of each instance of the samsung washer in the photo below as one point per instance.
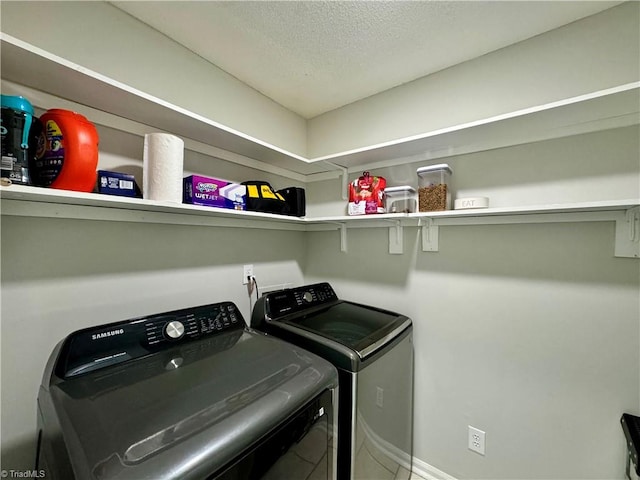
(373, 351)
(188, 394)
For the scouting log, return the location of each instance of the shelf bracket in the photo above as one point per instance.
(627, 242)
(396, 238)
(342, 228)
(343, 237)
(344, 176)
(430, 235)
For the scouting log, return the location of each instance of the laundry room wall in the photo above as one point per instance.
(591, 167)
(59, 275)
(591, 54)
(143, 58)
(529, 332)
(595, 53)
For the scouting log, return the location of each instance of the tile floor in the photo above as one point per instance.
(307, 460)
(372, 464)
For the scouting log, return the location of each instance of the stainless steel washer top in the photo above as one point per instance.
(349, 334)
(181, 395)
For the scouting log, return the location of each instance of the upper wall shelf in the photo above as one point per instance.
(625, 214)
(611, 108)
(26, 201)
(19, 200)
(27, 65)
(33, 67)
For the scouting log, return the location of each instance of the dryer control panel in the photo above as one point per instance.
(97, 347)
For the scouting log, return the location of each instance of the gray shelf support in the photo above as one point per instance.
(343, 237)
(396, 238)
(627, 241)
(430, 234)
(344, 175)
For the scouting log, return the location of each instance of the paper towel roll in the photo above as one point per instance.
(162, 167)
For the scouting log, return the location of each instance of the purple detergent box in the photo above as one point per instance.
(213, 192)
(116, 183)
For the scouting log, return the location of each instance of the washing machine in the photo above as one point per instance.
(187, 394)
(372, 349)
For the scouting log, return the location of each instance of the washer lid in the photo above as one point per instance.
(313, 317)
(185, 412)
(350, 324)
(345, 333)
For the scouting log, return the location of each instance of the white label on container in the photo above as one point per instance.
(7, 163)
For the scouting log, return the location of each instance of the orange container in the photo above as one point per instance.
(66, 153)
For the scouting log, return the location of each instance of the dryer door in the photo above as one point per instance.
(301, 448)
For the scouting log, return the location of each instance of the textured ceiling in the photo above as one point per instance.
(313, 57)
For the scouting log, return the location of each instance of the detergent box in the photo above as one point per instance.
(116, 183)
(213, 192)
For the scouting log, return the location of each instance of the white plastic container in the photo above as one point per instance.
(434, 192)
(403, 199)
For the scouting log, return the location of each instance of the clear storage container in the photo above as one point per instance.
(434, 192)
(402, 199)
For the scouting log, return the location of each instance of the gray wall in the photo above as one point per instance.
(583, 168)
(528, 332)
(62, 275)
(104, 39)
(595, 53)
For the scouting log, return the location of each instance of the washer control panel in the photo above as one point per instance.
(191, 323)
(312, 295)
(294, 300)
(89, 349)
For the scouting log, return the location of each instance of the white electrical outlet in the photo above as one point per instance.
(247, 272)
(379, 397)
(476, 440)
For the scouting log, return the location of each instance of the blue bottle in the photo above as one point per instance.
(17, 119)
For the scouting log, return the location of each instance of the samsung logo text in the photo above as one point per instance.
(110, 333)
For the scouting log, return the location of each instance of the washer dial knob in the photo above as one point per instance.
(307, 297)
(174, 329)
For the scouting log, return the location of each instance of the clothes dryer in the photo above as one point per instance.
(187, 394)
